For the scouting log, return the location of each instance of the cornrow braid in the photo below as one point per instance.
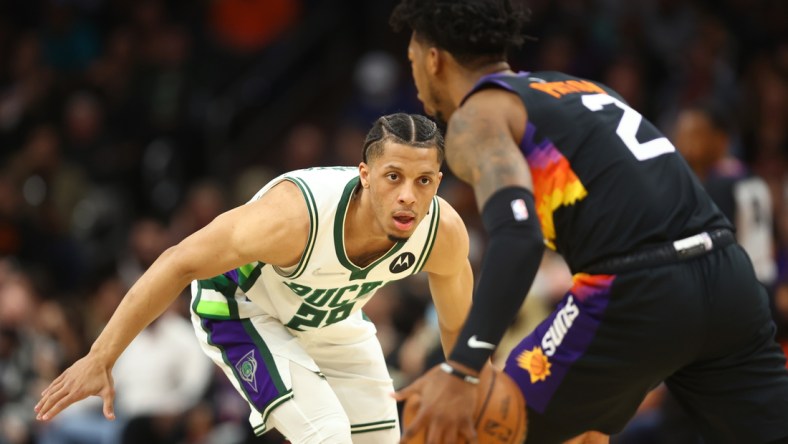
(406, 129)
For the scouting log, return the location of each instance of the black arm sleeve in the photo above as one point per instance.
(512, 257)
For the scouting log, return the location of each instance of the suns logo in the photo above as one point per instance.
(535, 363)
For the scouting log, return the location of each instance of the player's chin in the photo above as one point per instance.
(399, 236)
(430, 111)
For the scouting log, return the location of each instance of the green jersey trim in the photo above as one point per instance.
(373, 426)
(313, 225)
(273, 372)
(213, 309)
(210, 309)
(268, 358)
(265, 352)
(261, 428)
(229, 365)
(248, 275)
(196, 300)
(434, 222)
(339, 236)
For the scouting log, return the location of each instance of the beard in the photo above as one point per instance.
(397, 238)
(436, 114)
(440, 121)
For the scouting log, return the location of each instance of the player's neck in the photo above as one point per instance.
(466, 78)
(361, 230)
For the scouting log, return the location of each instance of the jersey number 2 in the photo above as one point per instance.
(628, 128)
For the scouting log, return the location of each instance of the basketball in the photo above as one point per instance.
(500, 410)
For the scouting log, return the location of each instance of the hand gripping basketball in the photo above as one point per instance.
(500, 410)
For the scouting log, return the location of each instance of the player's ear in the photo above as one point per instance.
(363, 174)
(435, 60)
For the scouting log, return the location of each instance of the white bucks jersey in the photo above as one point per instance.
(325, 287)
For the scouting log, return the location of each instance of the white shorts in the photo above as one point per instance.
(257, 353)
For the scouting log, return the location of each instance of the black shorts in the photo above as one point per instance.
(702, 326)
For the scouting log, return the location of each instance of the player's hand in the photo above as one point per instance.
(88, 376)
(446, 407)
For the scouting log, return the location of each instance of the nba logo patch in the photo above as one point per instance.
(519, 210)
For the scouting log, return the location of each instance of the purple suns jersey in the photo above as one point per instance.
(606, 181)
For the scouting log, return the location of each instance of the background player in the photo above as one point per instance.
(703, 135)
(661, 290)
(304, 255)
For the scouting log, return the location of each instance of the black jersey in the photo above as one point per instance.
(606, 181)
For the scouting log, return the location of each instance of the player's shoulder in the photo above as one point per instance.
(448, 213)
(488, 115)
(499, 94)
(451, 246)
(550, 76)
(557, 85)
(323, 186)
(283, 195)
(483, 110)
(323, 172)
(451, 227)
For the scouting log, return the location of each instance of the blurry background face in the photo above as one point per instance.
(697, 140)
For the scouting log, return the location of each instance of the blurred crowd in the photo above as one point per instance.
(126, 125)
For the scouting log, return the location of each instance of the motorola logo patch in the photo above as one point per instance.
(402, 262)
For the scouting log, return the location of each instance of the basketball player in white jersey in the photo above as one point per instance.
(278, 285)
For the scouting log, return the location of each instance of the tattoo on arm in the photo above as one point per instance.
(483, 153)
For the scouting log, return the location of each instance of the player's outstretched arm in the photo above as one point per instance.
(450, 275)
(272, 229)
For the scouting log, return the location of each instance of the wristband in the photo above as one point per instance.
(462, 375)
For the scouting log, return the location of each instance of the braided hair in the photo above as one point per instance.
(406, 129)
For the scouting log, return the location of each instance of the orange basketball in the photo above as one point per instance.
(500, 410)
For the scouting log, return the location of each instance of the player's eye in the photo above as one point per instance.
(392, 176)
(425, 180)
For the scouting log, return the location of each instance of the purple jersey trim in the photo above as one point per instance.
(495, 78)
(242, 354)
(541, 361)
